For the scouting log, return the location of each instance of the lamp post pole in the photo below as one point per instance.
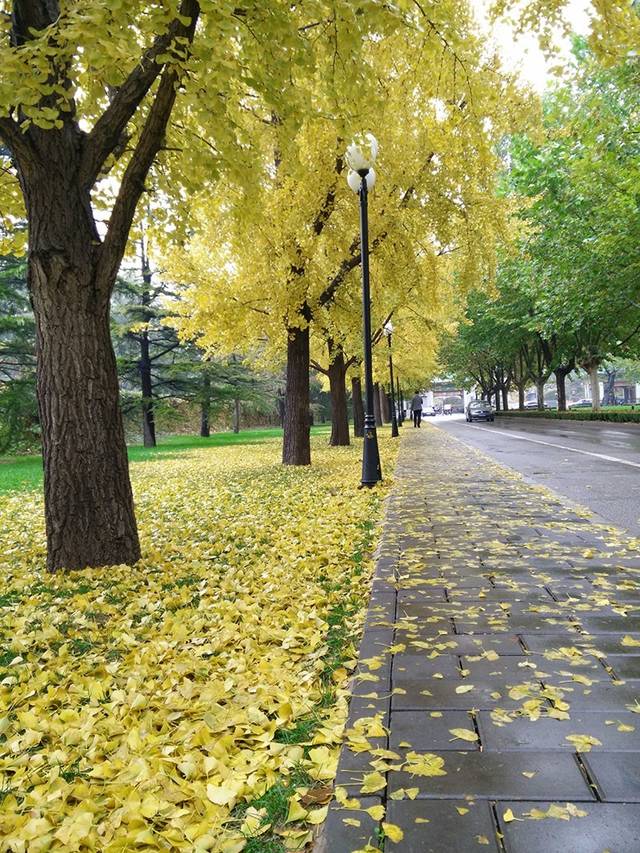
(371, 471)
(394, 420)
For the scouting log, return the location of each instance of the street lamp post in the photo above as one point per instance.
(360, 157)
(388, 330)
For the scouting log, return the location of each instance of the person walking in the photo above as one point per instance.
(416, 408)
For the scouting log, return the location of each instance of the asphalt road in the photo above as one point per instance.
(593, 463)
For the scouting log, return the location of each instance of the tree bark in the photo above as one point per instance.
(540, 394)
(236, 415)
(376, 404)
(88, 500)
(595, 386)
(339, 413)
(505, 398)
(296, 447)
(384, 406)
(205, 405)
(521, 398)
(358, 407)
(497, 396)
(609, 396)
(561, 389)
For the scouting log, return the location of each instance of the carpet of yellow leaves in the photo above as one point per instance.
(144, 708)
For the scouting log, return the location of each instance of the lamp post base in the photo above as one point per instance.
(371, 470)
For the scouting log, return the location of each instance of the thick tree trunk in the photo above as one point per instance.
(88, 500)
(339, 412)
(595, 387)
(376, 404)
(205, 405)
(358, 407)
(521, 398)
(505, 399)
(296, 447)
(540, 393)
(497, 396)
(236, 415)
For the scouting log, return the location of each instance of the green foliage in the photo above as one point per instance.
(632, 417)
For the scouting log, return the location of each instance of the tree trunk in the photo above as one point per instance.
(146, 385)
(521, 398)
(540, 393)
(561, 388)
(339, 413)
(205, 405)
(88, 500)
(376, 404)
(385, 411)
(497, 396)
(505, 398)
(609, 396)
(595, 387)
(296, 447)
(236, 415)
(358, 407)
(144, 365)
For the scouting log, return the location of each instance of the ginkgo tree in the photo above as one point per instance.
(278, 274)
(91, 97)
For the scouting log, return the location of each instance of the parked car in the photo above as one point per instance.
(479, 410)
(581, 404)
(447, 409)
(531, 404)
(429, 412)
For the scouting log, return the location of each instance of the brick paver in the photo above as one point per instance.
(500, 610)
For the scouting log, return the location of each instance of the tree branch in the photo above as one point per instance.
(107, 132)
(149, 144)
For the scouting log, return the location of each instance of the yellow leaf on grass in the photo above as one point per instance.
(464, 734)
(392, 831)
(296, 811)
(317, 816)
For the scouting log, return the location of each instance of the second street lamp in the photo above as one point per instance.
(388, 329)
(360, 157)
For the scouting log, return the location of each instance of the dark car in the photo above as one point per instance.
(479, 410)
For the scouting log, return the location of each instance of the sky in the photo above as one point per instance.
(521, 53)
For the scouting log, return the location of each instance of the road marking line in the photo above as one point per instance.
(560, 446)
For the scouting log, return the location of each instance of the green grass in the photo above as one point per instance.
(24, 473)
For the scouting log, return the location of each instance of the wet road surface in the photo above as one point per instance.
(596, 464)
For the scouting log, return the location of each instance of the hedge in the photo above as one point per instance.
(576, 415)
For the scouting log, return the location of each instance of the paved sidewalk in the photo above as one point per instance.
(497, 701)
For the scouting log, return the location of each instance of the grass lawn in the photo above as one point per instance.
(195, 701)
(24, 473)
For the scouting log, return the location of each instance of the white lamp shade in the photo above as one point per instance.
(362, 152)
(355, 181)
